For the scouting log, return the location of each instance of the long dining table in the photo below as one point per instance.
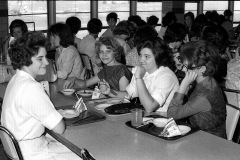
(112, 139)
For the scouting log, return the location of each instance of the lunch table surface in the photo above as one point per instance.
(113, 139)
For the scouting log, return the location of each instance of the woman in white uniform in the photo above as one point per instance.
(153, 81)
(27, 109)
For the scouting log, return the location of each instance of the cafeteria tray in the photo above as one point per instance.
(155, 131)
(91, 117)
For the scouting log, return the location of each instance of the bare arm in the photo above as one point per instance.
(60, 127)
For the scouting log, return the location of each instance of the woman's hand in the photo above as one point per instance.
(140, 72)
(69, 83)
(190, 76)
(104, 87)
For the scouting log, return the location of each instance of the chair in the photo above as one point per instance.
(87, 64)
(10, 144)
(233, 111)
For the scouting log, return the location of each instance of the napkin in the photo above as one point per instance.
(171, 129)
(80, 106)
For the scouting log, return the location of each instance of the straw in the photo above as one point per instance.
(76, 95)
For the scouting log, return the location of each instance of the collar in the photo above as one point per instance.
(24, 74)
(152, 75)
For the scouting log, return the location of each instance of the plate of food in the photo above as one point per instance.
(68, 91)
(68, 113)
(85, 93)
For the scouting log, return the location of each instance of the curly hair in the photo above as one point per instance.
(175, 32)
(152, 20)
(125, 27)
(112, 44)
(201, 53)
(74, 23)
(94, 26)
(160, 50)
(26, 47)
(217, 36)
(64, 33)
(18, 23)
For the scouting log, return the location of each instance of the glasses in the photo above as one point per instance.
(190, 68)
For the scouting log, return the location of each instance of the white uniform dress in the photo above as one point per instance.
(161, 84)
(26, 111)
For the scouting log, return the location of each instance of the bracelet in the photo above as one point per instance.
(138, 78)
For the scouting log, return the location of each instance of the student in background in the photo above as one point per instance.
(75, 24)
(111, 21)
(87, 45)
(17, 29)
(67, 58)
(152, 21)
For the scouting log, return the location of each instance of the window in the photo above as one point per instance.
(219, 6)
(236, 13)
(191, 7)
(80, 9)
(122, 8)
(147, 9)
(32, 12)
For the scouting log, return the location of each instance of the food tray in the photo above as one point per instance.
(155, 131)
(93, 117)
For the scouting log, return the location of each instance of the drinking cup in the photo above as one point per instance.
(136, 117)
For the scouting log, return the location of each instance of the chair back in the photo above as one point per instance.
(10, 144)
(233, 111)
(87, 64)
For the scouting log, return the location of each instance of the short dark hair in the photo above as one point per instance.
(201, 53)
(137, 20)
(24, 48)
(111, 43)
(74, 23)
(125, 27)
(18, 23)
(189, 14)
(94, 26)
(112, 15)
(64, 33)
(175, 32)
(152, 20)
(228, 12)
(160, 50)
(144, 33)
(217, 36)
(168, 19)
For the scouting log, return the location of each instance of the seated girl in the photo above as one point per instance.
(67, 58)
(27, 109)
(205, 107)
(153, 81)
(114, 71)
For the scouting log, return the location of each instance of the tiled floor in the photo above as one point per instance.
(2, 155)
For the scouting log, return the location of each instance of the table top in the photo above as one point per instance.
(112, 139)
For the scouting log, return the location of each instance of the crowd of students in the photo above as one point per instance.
(181, 60)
